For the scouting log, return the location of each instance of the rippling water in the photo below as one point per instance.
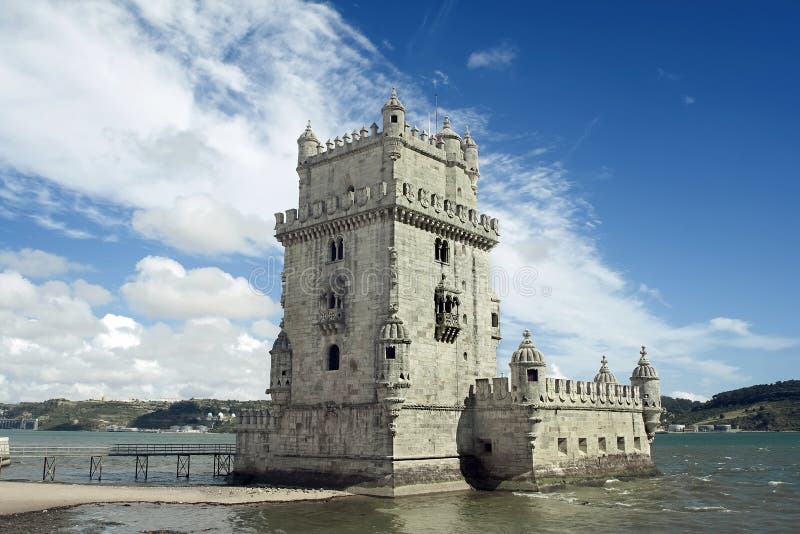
(710, 482)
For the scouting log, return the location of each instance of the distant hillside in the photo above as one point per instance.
(762, 407)
(62, 414)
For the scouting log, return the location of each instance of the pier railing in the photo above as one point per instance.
(171, 449)
(223, 454)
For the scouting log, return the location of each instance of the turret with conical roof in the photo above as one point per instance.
(307, 144)
(451, 140)
(646, 378)
(470, 148)
(394, 116)
(605, 376)
(527, 371)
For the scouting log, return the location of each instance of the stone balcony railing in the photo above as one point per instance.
(447, 327)
(329, 321)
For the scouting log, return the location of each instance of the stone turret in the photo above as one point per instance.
(391, 358)
(470, 148)
(527, 371)
(307, 144)
(605, 376)
(646, 378)
(394, 116)
(280, 384)
(451, 140)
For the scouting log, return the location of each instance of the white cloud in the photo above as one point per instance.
(497, 57)
(653, 293)
(37, 263)
(155, 106)
(552, 278)
(687, 395)
(93, 294)
(163, 288)
(201, 224)
(688, 100)
(51, 345)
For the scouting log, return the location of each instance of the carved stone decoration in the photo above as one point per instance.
(318, 208)
(424, 198)
(393, 405)
(461, 211)
(408, 191)
(437, 203)
(362, 195)
(393, 267)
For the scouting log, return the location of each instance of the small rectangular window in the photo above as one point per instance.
(495, 320)
(601, 444)
(394, 118)
(562, 445)
(487, 446)
(582, 445)
(621, 444)
(390, 354)
(533, 375)
(637, 443)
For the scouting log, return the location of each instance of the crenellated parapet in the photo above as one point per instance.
(253, 419)
(558, 393)
(408, 204)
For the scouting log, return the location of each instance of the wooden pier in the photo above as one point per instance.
(223, 457)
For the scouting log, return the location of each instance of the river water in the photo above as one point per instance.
(710, 482)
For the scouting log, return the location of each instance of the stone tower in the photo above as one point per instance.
(380, 376)
(388, 316)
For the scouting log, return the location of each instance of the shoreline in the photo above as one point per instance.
(23, 497)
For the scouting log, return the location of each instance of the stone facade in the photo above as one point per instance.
(377, 378)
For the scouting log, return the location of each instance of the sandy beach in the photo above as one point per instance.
(18, 497)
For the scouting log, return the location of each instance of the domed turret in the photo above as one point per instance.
(527, 371)
(644, 369)
(605, 375)
(645, 377)
(470, 148)
(394, 330)
(527, 351)
(280, 368)
(306, 144)
(394, 116)
(451, 140)
(391, 358)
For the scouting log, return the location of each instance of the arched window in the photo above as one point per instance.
(333, 358)
(340, 249)
(448, 305)
(351, 189)
(331, 301)
(332, 248)
(441, 250)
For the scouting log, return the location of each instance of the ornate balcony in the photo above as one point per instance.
(447, 327)
(331, 320)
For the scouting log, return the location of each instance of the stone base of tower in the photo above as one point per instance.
(365, 449)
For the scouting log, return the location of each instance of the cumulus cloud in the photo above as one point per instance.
(37, 263)
(201, 224)
(52, 345)
(163, 288)
(93, 294)
(687, 395)
(498, 57)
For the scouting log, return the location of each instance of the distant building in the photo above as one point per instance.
(676, 428)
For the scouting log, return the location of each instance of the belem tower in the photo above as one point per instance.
(381, 376)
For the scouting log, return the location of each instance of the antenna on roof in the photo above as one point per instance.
(436, 105)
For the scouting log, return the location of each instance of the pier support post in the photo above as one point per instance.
(141, 466)
(96, 467)
(49, 468)
(182, 469)
(222, 465)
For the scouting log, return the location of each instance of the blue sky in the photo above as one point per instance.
(639, 156)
